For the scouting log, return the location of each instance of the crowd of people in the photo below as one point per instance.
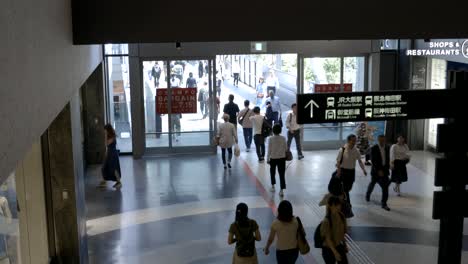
(388, 165)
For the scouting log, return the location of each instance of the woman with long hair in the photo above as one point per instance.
(244, 232)
(333, 230)
(111, 167)
(399, 157)
(285, 229)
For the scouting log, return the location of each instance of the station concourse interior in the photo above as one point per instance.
(162, 84)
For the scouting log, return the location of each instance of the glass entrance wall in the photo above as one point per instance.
(118, 94)
(177, 130)
(332, 74)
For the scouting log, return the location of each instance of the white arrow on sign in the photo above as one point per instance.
(312, 103)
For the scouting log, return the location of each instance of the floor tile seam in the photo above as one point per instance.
(136, 218)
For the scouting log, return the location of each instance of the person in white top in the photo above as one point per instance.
(346, 164)
(227, 138)
(272, 82)
(244, 120)
(294, 130)
(175, 82)
(257, 122)
(276, 157)
(236, 72)
(399, 157)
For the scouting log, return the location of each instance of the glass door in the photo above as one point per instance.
(180, 106)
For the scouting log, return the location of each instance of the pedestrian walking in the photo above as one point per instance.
(274, 103)
(257, 122)
(244, 232)
(285, 230)
(213, 103)
(156, 74)
(244, 120)
(276, 157)
(176, 127)
(380, 157)
(191, 81)
(363, 138)
(260, 92)
(272, 83)
(227, 137)
(399, 157)
(294, 131)
(236, 73)
(175, 82)
(219, 81)
(111, 167)
(203, 99)
(232, 110)
(200, 69)
(333, 230)
(346, 164)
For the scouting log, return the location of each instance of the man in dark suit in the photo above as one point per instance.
(380, 157)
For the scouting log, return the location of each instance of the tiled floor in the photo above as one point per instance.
(178, 210)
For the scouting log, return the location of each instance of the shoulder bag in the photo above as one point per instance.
(241, 120)
(302, 243)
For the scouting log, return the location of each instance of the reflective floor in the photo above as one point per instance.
(178, 210)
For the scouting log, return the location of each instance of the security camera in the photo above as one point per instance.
(178, 46)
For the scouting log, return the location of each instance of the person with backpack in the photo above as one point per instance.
(330, 234)
(285, 229)
(244, 120)
(257, 122)
(276, 157)
(294, 131)
(346, 164)
(244, 232)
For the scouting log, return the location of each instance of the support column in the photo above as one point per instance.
(137, 105)
(64, 183)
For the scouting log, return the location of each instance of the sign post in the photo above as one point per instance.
(449, 204)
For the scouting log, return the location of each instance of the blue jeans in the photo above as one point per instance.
(248, 137)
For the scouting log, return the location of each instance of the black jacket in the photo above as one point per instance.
(376, 159)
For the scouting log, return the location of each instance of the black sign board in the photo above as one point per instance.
(371, 106)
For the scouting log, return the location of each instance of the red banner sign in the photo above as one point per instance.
(184, 101)
(332, 88)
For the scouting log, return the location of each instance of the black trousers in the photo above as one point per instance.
(259, 141)
(281, 164)
(384, 183)
(296, 134)
(236, 79)
(223, 155)
(329, 257)
(348, 177)
(287, 256)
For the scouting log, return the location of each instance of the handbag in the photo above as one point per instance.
(346, 208)
(236, 151)
(216, 140)
(241, 120)
(280, 121)
(289, 155)
(302, 243)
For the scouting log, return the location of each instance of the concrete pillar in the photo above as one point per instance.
(64, 180)
(92, 93)
(137, 104)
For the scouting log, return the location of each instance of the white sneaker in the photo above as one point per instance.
(281, 193)
(272, 188)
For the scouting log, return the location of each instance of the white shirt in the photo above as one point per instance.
(246, 123)
(272, 82)
(382, 154)
(350, 157)
(175, 82)
(277, 147)
(235, 68)
(399, 152)
(257, 122)
(291, 122)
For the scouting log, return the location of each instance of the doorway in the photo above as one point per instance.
(180, 107)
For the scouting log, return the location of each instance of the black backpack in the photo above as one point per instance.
(266, 129)
(245, 245)
(318, 239)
